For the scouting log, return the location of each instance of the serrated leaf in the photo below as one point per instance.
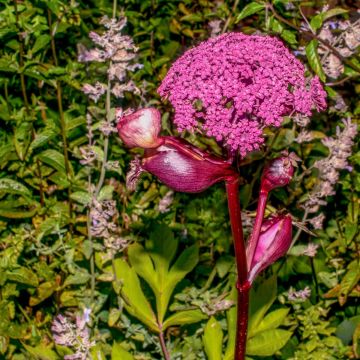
(82, 197)
(23, 275)
(250, 9)
(184, 318)
(44, 291)
(119, 353)
(80, 277)
(267, 343)
(106, 193)
(41, 41)
(13, 187)
(314, 59)
(212, 339)
(54, 159)
(42, 352)
(22, 138)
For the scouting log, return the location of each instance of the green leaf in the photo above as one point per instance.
(267, 343)
(184, 318)
(250, 9)
(44, 291)
(41, 41)
(13, 187)
(128, 285)
(106, 193)
(317, 21)
(82, 197)
(42, 352)
(54, 159)
(80, 277)
(270, 321)
(42, 138)
(348, 282)
(212, 339)
(23, 275)
(22, 138)
(119, 353)
(260, 302)
(314, 60)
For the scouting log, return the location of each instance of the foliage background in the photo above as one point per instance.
(50, 265)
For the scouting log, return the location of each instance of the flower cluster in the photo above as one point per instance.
(300, 295)
(120, 51)
(340, 149)
(75, 335)
(234, 85)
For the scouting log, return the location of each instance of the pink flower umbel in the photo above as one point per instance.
(274, 242)
(234, 85)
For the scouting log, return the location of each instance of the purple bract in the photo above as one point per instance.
(234, 85)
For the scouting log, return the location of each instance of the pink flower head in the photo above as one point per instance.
(274, 242)
(141, 128)
(234, 85)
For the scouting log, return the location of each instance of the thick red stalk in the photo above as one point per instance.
(254, 238)
(243, 284)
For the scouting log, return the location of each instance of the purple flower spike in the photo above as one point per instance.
(185, 168)
(274, 242)
(140, 129)
(277, 173)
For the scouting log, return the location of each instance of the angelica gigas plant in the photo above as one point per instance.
(231, 88)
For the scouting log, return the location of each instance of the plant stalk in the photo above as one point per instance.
(253, 240)
(163, 346)
(243, 285)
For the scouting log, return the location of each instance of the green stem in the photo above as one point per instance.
(228, 20)
(61, 115)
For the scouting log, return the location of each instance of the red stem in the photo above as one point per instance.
(253, 240)
(243, 284)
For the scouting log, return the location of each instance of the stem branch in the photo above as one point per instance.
(163, 346)
(243, 285)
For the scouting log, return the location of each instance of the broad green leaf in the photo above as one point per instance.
(212, 339)
(317, 21)
(260, 302)
(348, 282)
(42, 138)
(334, 12)
(54, 159)
(118, 353)
(44, 291)
(314, 59)
(80, 277)
(82, 197)
(267, 343)
(42, 352)
(22, 138)
(41, 41)
(13, 187)
(15, 213)
(250, 9)
(106, 193)
(184, 317)
(23, 275)
(129, 286)
(270, 321)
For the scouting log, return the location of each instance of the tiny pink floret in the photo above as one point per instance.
(234, 85)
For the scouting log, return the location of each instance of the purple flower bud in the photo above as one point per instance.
(185, 168)
(277, 173)
(141, 128)
(274, 242)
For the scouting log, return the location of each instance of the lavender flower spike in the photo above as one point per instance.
(274, 242)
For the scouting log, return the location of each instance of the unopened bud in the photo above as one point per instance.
(140, 129)
(274, 242)
(277, 173)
